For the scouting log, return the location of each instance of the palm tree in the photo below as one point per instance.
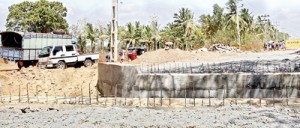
(248, 28)
(81, 43)
(184, 21)
(90, 34)
(207, 26)
(231, 17)
(129, 37)
(155, 32)
(102, 34)
(211, 25)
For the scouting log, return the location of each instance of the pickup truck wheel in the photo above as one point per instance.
(88, 63)
(61, 65)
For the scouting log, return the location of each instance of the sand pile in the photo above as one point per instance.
(53, 81)
(163, 56)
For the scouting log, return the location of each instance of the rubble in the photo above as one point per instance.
(222, 48)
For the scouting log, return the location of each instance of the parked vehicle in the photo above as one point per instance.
(24, 47)
(61, 56)
(133, 52)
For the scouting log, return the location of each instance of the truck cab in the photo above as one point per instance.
(60, 56)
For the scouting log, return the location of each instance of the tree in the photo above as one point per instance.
(184, 21)
(212, 25)
(81, 43)
(103, 34)
(40, 16)
(130, 35)
(90, 34)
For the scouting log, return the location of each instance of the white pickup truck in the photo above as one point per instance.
(61, 56)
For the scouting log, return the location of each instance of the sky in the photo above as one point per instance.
(286, 14)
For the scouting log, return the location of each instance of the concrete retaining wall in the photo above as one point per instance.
(131, 83)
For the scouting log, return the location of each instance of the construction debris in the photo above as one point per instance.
(223, 48)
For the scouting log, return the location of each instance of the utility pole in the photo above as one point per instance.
(114, 32)
(265, 25)
(238, 23)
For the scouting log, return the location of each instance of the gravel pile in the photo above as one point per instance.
(95, 116)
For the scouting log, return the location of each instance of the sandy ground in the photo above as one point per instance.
(245, 116)
(54, 82)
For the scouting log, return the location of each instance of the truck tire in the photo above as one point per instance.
(61, 65)
(88, 63)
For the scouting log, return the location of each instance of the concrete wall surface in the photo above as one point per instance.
(128, 81)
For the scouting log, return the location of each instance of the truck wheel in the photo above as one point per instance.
(61, 65)
(88, 63)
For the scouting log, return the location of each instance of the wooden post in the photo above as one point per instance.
(140, 95)
(148, 94)
(105, 100)
(191, 68)
(81, 93)
(161, 100)
(287, 96)
(274, 97)
(224, 95)
(185, 95)
(27, 93)
(97, 97)
(158, 68)
(126, 89)
(46, 97)
(154, 89)
(90, 93)
(194, 94)
(65, 97)
(19, 93)
(209, 97)
(116, 91)
(236, 96)
(1, 95)
(259, 96)
(10, 93)
(55, 96)
(186, 68)
(170, 97)
(37, 93)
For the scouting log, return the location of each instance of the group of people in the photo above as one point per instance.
(272, 45)
(121, 53)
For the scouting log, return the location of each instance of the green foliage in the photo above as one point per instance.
(188, 33)
(40, 16)
(91, 35)
(81, 43)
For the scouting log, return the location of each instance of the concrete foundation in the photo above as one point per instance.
(127, 81)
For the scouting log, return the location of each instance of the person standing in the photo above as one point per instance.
(122, 54)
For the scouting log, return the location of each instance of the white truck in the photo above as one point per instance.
(61, 56)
